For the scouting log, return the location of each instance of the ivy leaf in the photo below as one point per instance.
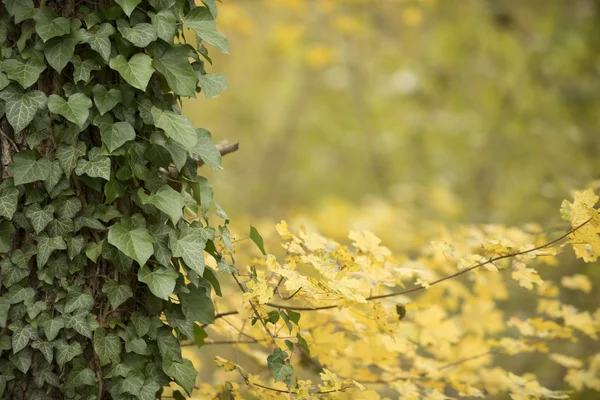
(21, 108)
(167, 200)
(52, 327)
(59, 51)
(99, 40)
(20, 9)
(48, 27)
(97, 166)
(280, 369)
(106, 100)
(65, 351)
(212, 84)
(165, 24)
(79, 301)
(140, 35)
(26, 74)
(78, 322)
(184, 372)
(22, 360)
(9, 196)
(199, 335)
(206, 149)
(201, 21)
(190, 246)
(76, 109)
(107, 346)
(27, 169)
(178, 72)
(197, 305)
(176, 150)
(82, 69)
(46, 348)
(133, 383)
(134, 242)
(116, 135)
(176, 126)
(137, 346)
(149, 389)
(6, 231)
(137, 71)
(46, 245)
(68, 155)
(21, 337)
(116, 294)
(128, 5)
(161, 281)
(80, 375)
(11, 273)
(257, 239)
(39, 217)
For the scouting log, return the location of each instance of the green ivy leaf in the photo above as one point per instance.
(21, 108)
(46, 348)
(149, 390)
(20, 9)
(26, 73)
(46, 246)
(176, 126)
(78, 322)
(99, 39)
(65, 351)
(140, 35)
(137, 71)
(176, 150)
(117, 294)
(6, 231)
(48, 26)
(76, 109)
(165, 24)
(68, 155)
(167, 200)
(178, 72)
(39, 217)
(80, 375)
(212, 84)
(133, 383)
(60, 50)
(201, 21)
(93, 250)
(161, 281)
(21, 337)
(128, 5)
(97, 166)
(79, 301)
(116, 135)
(107, 346)
(183, 372)
(197, 305)
(189, 246)
(106, 100)
(22, 360)
(52, 327)
(206, 149)
(27, 169)
(280, 369)
(134, 242)
(82, 69)
(9, 196)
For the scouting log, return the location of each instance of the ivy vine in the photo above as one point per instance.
(103, 216)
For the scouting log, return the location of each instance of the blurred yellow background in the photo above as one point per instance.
(390, 114)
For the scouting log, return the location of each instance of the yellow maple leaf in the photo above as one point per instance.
(577, 282)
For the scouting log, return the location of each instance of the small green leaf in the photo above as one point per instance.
(68, 155)
(178, 72)
(80, 375)
(189, 246)
(78, 322)
(106, 100)
(39, 217)
(82, 69)
(257, 239)
(176, 126)
(79, 301)
(133, 242)
(6, 231)
(48, 26)
(165, 24)
(65, 351)
(128, 5)
(167, 200)
(26, 74)
(184, 373)
(47, 245)
(278, 365)
(107, 346)
(212, 84)
(116, 135)
(140, 35)
(76, 109)
(206, 149)
(9, 196)
(199, 335)
(161, 281)
(137, 71)
(52, 327)
(117, 294)
(97, 166)
(201, 21)
(60, 50)
(22, 107)
(197, 305)
(27, 169)
(22, 360)
(99, 39)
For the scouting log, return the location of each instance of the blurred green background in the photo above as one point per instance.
(387, 114)
(472, 111)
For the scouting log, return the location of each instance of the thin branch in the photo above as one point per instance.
(224, 148)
